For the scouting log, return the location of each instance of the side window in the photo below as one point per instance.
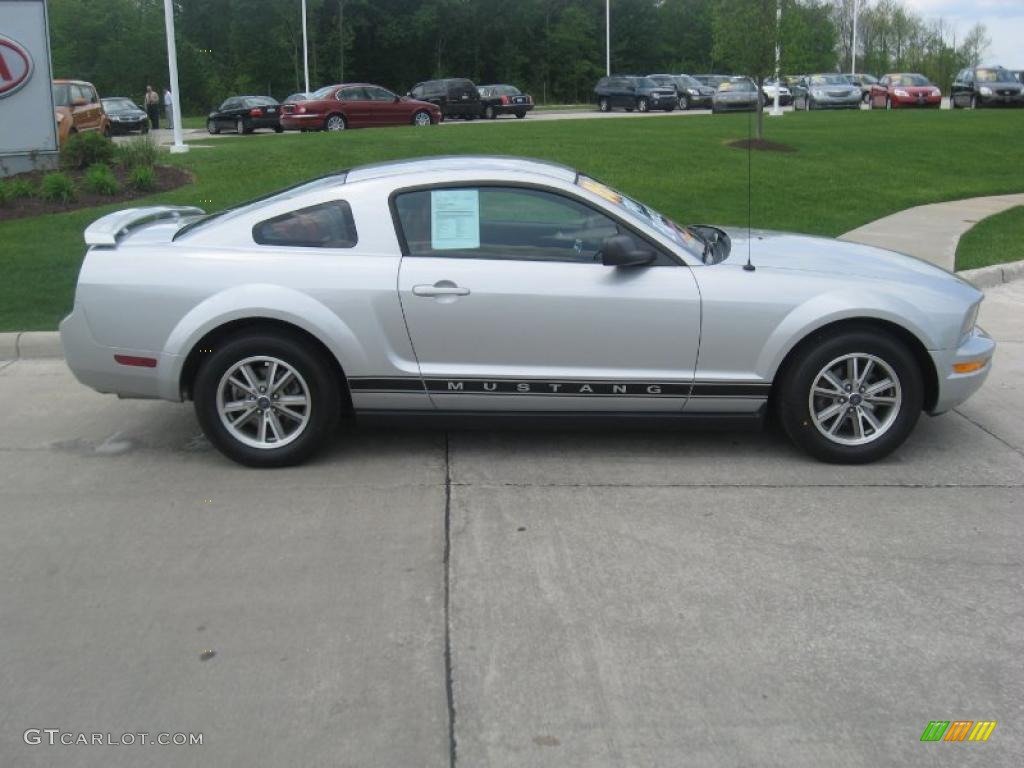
(501, 223)
(327, 225)
(379, 94)
(352, 94)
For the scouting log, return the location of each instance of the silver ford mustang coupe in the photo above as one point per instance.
(489, 286)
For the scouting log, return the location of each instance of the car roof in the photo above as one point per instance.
(481, 163)
(66, 81)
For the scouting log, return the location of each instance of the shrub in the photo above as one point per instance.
(17, 188)
(142, 178)
(57, 188)
(84, 149)
(142, 151)
(5, 195)
(101, 180)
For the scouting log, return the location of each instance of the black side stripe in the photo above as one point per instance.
(562, 387)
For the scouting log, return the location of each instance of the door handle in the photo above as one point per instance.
(441, 288)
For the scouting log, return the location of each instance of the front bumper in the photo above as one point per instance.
(660, 101)
(735, 106)
(127, 126)
(955, 388)
(1000, 100)
(913, 101)
(836, 102)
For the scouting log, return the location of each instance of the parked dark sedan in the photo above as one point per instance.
(245, 114)
(630, 92)
(689, 92)
(504, 100)
(125, 115)
(986, 87)
(454, 96)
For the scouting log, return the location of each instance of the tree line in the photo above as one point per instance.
(553, 49)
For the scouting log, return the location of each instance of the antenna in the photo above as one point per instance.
(748, 267)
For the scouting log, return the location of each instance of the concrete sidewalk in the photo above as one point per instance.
(931, 232)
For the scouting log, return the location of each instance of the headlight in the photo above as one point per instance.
(693, 91)
(985, 91)
(818, 94)
(936, 92)
(901, 93)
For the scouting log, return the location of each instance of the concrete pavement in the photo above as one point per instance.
(931, 232)
(604, 599)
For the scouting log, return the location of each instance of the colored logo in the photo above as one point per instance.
(958, 730)
(15, 66)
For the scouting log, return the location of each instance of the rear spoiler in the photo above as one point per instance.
(112, 227)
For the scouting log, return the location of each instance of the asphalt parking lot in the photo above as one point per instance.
(521, 598)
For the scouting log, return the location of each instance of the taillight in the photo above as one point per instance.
(256, 112)
(504, 99)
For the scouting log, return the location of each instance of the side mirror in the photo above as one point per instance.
(618, 251)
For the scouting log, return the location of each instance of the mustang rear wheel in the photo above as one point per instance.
(851, 398)
(267, 400)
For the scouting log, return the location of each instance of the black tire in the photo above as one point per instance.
(642, 105)
(296, 352)
(489, 112)
(278, 129)
(794, 390)
(520, 115)
(212, 127)
(602, 105)
(335, 123)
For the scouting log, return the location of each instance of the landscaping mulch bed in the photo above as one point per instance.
(761, 144)
(165, 177)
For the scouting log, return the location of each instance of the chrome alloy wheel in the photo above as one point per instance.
(263, 402)
(421, 119)
(855, 399)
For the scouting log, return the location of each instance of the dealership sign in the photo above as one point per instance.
(15, 66)
(28, 128)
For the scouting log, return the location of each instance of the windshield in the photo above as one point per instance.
(741, 84)
(687, 82)
(644, 82)
(260, 101)
(828, 80)
(119, 104)
(994, 75)
(679, 235)
(324, 92)
(909, 80)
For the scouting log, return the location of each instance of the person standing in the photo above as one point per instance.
(169, 107)
(152, 102)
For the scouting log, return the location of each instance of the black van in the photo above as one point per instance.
(456, 96)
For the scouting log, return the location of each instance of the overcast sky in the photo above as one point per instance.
(1004, 19)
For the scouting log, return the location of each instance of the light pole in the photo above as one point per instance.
(776, 108)
(853, 50)
(179, 146)
(305, 47)
(608, 37)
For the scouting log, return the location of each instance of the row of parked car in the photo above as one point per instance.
(973, 87)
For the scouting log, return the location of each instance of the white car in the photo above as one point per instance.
(490, 286)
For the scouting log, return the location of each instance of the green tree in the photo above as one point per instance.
(744, 34)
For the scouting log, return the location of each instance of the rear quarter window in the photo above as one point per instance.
(327, 225)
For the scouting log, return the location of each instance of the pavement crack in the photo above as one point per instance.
(989, 432)
(447, 601)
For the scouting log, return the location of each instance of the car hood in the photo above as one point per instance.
(823, 255)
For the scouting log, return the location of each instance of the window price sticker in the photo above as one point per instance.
(454, 219)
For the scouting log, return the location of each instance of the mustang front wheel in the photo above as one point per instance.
(266, 400)
(852, 398)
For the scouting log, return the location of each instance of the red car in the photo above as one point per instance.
(355, 105)
(904, 89)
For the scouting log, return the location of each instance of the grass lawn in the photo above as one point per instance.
(850, 168)
(995, 240)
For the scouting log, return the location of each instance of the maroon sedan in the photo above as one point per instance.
(904, 89)
(355, 105)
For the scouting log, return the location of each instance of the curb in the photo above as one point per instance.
(30, 345)
(35, 345)
(997, 274)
